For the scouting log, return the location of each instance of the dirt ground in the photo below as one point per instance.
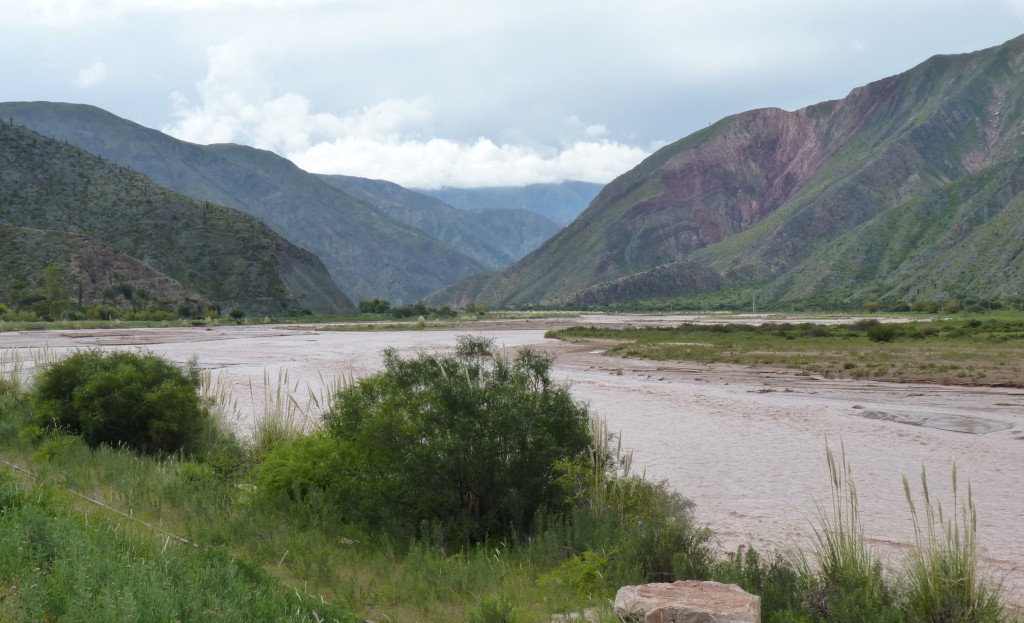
(747, 445)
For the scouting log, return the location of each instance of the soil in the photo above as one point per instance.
(746, 444)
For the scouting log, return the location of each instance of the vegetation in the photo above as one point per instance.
(493, 435)
(79, 231)
(364, 251)
(136, 400)
(969, 351)
(274, 536)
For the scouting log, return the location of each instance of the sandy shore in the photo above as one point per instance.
(746, 445)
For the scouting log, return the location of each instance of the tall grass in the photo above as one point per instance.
(941, 581)
(281, 415)
(16, 375)
(850, 585)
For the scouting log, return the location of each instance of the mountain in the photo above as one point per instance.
(494, 238)
(560, 202)
(366, 252)
(905, 188)
(106, 226)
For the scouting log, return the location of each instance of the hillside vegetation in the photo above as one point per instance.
(908, 187)
(107, 227)
(368, 252)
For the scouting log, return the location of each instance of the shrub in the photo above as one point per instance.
(882, 332)
(775, 580)
(470, 443)
(123, 398)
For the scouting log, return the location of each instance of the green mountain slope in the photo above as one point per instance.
(494, 238)
(758, 198)
(367, 253)
(211, 251)
(560, 202)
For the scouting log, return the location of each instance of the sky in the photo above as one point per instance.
(469, 93)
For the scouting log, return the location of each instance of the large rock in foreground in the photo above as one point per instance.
(687, 602)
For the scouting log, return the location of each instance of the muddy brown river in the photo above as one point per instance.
(747, 445)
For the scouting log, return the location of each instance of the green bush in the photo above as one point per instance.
(137, 400)
(775, 580)
(464, 442)
(882, 332)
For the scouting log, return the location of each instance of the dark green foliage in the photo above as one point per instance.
(236, 314)
(882, 332)
(775, 581)
(456, 441)
(123, 398)
(375, 306)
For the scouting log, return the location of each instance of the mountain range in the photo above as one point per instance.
(110, 231)
(375, 238)
(907, 188)
(561, 202)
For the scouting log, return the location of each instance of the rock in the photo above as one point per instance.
(687, 602)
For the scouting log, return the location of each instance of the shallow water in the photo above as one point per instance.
(747, 446)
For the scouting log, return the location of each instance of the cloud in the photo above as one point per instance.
(384, 140)
(438, 163)
(1017, 6)
(61, 13)
(92, 75)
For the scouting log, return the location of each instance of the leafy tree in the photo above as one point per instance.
(56, 294)
(467, 442)
(123, 398)
(376, 306)
(237, 314)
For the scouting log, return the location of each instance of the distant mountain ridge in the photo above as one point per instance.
(104, 225)
(561, 202)
(494, 238)
(846, 200)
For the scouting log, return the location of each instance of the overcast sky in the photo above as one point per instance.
(468, 93)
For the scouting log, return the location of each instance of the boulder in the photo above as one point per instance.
(687, 602)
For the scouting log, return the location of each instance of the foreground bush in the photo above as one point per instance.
(465, 442)
(137, 400)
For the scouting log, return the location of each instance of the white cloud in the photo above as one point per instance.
(384, 140)
(439, 162)
(92, 75)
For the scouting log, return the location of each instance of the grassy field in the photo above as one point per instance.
(970, 351)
